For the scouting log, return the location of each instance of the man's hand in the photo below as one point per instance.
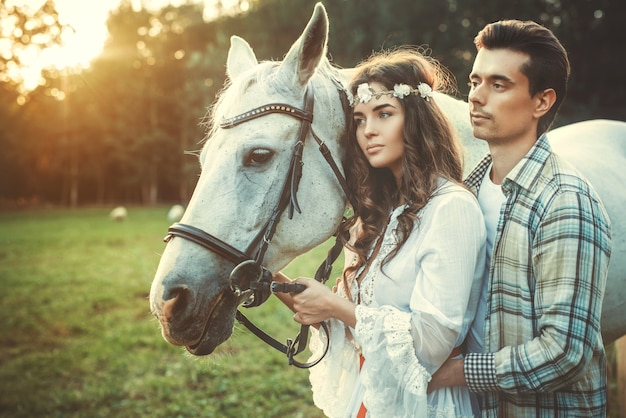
(449, 374)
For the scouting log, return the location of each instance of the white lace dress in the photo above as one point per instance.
(409, 319)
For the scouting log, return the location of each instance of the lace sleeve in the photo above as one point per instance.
(392, 374)
(334, 378)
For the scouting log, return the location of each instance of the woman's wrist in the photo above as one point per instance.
(343, 310)
(280, 277)
(283, 297)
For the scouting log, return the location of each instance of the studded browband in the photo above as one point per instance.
(264, 110)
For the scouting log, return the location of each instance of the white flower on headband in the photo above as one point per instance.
(425, 91)
(401, 90)
(365, 93)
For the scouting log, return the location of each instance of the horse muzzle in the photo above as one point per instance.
(194, 321)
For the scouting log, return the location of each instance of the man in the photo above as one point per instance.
(549, 241)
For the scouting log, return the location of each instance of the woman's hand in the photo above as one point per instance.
(318, 303)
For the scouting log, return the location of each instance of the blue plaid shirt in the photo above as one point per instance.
(543, 354)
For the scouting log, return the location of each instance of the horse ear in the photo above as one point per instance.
(240, 57)
(307, 52)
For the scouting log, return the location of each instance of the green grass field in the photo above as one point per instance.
(79, 341)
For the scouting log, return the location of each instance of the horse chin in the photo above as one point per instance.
(218, 326)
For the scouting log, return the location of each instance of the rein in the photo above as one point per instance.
(250, 280)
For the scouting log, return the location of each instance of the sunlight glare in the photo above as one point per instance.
(80, 43)
(86, 40)
(87, 33)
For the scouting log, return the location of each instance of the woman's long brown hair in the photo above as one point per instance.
(432, 150)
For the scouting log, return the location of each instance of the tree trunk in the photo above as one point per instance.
(153, 192)
(153, 177)
(74, 178)
(183, 184)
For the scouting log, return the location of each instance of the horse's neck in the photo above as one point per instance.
(457, 112)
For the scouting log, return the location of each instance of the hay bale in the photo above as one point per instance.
(175, 213)
(119, 214)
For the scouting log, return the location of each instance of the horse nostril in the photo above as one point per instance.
(176, 301)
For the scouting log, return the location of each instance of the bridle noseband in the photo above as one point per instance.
(250, 281)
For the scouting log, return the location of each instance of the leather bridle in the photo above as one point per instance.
(250, 280)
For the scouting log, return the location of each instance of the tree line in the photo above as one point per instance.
(127, 129)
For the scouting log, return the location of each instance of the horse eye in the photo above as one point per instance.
(258, 156)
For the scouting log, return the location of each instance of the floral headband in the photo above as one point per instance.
(365, 93)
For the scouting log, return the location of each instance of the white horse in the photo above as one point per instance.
(244, 166)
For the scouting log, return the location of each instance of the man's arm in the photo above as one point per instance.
(449, 374)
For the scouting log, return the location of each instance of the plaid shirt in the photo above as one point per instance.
(543, 354)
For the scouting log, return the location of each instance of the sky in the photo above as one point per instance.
(88, 19)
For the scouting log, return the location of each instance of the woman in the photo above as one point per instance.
(415, 258)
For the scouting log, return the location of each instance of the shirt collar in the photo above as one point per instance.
(526, 173)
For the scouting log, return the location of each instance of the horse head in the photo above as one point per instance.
(267, 113)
